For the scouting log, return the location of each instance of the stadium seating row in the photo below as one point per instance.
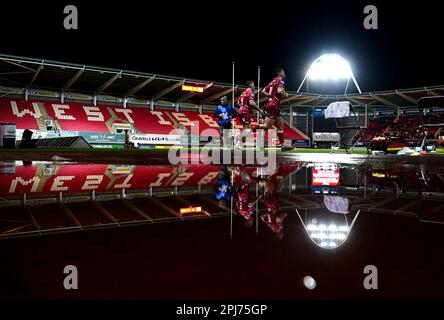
(88, 118)
(404, 126)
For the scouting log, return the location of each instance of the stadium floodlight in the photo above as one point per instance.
(330, 67)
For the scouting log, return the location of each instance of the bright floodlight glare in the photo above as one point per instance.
(330, 66)
(311, 227)
(309, 282)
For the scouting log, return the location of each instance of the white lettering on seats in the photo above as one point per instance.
(182, 178)
(58, 183)
(93, 113)
(59, 111)
(92, 182)
(35, 183)
(160, 116)
(208, 178)
(125, 183)
(209, 120)
(36, 113)
(126, 112)
(160, 177)
(182, 119)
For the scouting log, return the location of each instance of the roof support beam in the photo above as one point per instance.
(105, 212)
(17, 229)
(108, 83)
(290, 98)
(384, 101)
(356, 101)
(33, 220)
(135, 209)
(163, 206)
(213, 202)
(139, 87)
(73, 79)
(431, 92)
(187, 96)
(14, 82)
(71, 216)
(183, 201)
(218, 95)
(406, 97)
(167, 90)
(18, 65)
(36, 73)
(305, 101)
(322, 101)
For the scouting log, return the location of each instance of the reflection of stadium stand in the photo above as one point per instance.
(61, 197)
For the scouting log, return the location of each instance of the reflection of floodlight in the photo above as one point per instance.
(328, 235)
(309, 282)
(330, 67)
(341, 236)
(311, 227)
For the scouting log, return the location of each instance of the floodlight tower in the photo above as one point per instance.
(330, 67)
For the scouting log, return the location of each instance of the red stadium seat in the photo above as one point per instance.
(23, 114)
(79, 117)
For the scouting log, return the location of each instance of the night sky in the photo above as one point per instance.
(200, 39)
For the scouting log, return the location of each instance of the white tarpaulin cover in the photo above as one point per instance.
(339, 109)
(336, 204)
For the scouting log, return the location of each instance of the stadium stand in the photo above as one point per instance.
(377, 127)
(404, 126)
(88, 118)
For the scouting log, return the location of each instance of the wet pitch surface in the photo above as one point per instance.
(134, 231)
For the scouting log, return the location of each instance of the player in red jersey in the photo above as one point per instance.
(245, 103)
(275, 91)
(272, 189)
(244, 201)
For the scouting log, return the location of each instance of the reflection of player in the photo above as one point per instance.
(223, 186)
(244, 202)
(274, 218)
(275, 91)
(245, 103)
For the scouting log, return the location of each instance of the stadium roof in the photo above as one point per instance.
(32, 73)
